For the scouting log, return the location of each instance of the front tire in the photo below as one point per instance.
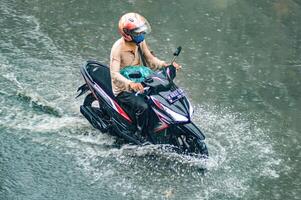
(201, 148)
(192, 145)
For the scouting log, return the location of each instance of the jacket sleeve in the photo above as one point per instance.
(117, 79)
(154, 62)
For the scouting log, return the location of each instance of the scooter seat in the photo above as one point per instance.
(100, 74)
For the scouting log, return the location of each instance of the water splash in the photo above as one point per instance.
(239, 151)
(36, 101)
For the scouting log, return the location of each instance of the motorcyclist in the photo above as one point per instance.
(125, 52)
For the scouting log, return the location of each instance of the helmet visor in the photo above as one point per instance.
(143, 28)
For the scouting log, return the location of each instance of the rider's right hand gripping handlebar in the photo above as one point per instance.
(145, 89)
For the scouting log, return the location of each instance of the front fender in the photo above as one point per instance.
(191, 128)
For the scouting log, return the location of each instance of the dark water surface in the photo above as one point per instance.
(241, 68)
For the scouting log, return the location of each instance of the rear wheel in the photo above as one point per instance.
(92, 102)
(200, 147)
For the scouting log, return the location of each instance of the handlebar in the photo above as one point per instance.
(176, 54)
(144, 90)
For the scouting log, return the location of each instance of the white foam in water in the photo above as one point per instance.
(51, 124)
(36, 39)
(33, 31)
(232, 165)
(42, 123)
(11, 77)
(243, 150)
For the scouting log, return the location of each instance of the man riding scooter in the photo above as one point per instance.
(132, 50)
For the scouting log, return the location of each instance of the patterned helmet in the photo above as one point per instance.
(131, 24)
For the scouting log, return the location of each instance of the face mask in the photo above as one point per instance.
(139, 38)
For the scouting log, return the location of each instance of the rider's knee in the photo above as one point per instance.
(142, 106)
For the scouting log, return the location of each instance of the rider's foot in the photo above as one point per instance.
(146, 143)
(139, 137)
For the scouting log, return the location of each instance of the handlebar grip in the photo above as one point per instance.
(178, 51)
(145, 89)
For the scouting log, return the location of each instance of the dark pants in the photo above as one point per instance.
(137, 108)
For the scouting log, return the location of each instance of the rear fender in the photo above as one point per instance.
(82, 89)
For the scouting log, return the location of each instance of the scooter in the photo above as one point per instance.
(170, 110)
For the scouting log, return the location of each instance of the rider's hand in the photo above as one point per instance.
(176, 65)
(137, 87)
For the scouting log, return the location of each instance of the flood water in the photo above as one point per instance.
(241, 70)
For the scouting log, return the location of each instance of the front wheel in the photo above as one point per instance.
(201, 148)
(192, 145)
